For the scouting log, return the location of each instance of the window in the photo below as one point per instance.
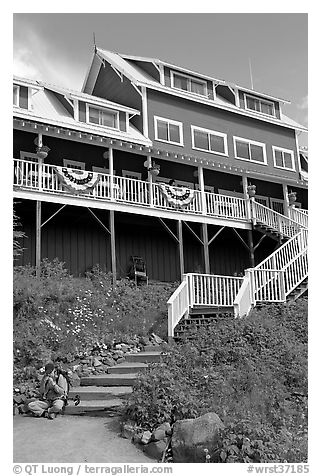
(167, 130)
(210, 141)
(73, 164)
(187, 83)
(102, 117)
(283, 158)
(252, 151)
(131, 175)
(16, 95)
(259, 105)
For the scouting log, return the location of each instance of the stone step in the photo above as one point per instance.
(152, 348)
(144, 357)
(99, 393)
(109, 380)
(127, 368)
(93, 406)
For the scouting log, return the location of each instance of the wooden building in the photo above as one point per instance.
(93, 171)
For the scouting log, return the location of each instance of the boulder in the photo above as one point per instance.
(75, 380)
(146, 437)
(110, 362)
(155, 449)
(192, 436)
(157, 339)
(166, 426)
(128, 430)
(97, 362)
(144, 340)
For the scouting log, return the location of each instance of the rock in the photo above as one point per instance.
(157, 339)
(118, 347)
(166, 426)
(192, 436)
(117, 354)
(158, 434)
(75, 380)
(144, 340)
(146, 437)
(155, 449)
(109, 362)
(128, 430)
(120, 360)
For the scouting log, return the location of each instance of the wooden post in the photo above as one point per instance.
(202, 188)
(113, 244)
(251, 248)
(246, 196)
(206, 248)
(285, 199)
(150, 182)
(111, 173)
(180, 247)
(38, 237)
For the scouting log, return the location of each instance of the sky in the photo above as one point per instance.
(58, 47)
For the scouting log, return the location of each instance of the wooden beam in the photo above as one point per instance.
(286, 199)
(259, 242)
(180, 247)
(54, 214)
(99, 221)
(206, 248)
(113, 244)
(216, 235)
(193, 232)
(241, 239)
(38, 237)
(251, 248)
(168, 229)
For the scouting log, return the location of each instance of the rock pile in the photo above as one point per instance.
(155, 444)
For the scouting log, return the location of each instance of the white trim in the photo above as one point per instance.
(260, 100)
(162, 74)
(70, 164)
(132, 175)
(210, 132)
(250, 142)
(102, 109)
(190, 79)
(16, 95)
(174, 123)
(76, 109)
(144, 111)
(287, 151)
(102, 170)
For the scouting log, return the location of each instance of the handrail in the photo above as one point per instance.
(299, 216)
(280, 223)
(177, 306)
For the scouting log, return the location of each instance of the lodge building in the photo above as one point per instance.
(94, 170)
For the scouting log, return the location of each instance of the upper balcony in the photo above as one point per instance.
(46, 182)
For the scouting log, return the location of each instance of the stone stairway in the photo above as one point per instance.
(102, 395)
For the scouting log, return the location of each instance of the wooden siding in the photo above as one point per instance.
(147, 67)
(192, 113)
(109, 86)
(226, 93)
(82, 111)
(167, 77)
(242, 101)
(65, 103)
(23, 97)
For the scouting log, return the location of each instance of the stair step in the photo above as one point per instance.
(152, 348)
(93, 406)
(127, 368)
(99, 393)
(144, 357)
(107, 380)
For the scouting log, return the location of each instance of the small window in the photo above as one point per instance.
(167, 130)
(259, 105)
(131, 175)
(187, 83)
(209, 141)
(252, 151)
(283, 158)
(102, 117)
(73, 164)
(16, 95)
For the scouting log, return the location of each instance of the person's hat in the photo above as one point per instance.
(49, 367)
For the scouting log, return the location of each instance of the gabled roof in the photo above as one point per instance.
(122, 63)
(47, 108)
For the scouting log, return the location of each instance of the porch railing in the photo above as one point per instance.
(280, 223)
(43, 177)
(299, 216)
(178, 306)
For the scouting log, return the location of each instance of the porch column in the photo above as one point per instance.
(251, 248)
(150, 182)
(286, 199)
(248, 202)
(202, 188)
(112, 244)
(111, 172)
(206, 248)
(180, 247)
(38, 237)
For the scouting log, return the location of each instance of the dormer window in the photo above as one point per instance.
(102, 117)
(259, 105)
(16, 95)
(187, 83)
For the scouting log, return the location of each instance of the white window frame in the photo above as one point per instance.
(70, 164)
(190, 78)
(17, 95)
(102, 170)
(29, 156)
(174, 123)
(260, 100)
(131, 175)
(288, 151)
(102, 109)
(214, 133)
(250, 142)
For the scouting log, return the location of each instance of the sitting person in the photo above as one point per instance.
(53, 391)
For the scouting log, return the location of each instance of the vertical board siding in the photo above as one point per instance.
(23, 97)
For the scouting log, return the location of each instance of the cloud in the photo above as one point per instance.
(302, 107)
(304, 103)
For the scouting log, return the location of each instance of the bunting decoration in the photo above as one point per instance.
(77, 181)
(177, 196)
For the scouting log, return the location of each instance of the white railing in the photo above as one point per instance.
(213, 290)
(225, 206)
(280, 223)
(43, 177)
(178, 306)
(299, 216)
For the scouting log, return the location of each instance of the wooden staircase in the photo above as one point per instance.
(104, 394)
(200, 317)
